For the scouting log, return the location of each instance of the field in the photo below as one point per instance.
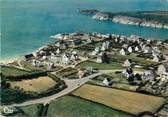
(12, 71)
(118, 81)
(69, 72)
(101, 66)
(70, 106)
(130, 102)
(39, 84)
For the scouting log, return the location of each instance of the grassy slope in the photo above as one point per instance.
(101, 66)
(12, 71)
(69, 106)
(31, 111)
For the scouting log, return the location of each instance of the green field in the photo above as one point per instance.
(69, 106)
(101, 66)
(12, 71)
(118, 81)
(69, 72)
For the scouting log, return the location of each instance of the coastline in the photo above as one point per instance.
(57, 36)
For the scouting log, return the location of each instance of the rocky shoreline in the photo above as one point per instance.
(125, 19)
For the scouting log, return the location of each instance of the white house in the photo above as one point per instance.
(107, 82)
(161, 69)
(58, 51)
(96, 51)
(122, 52)
(147, 49)
(65, 59)
(128, 73)
(105, 45)
(130, 49)
(127, 63)
(99, 59)
(37, 63)
(156, 58)
(137, 49)
(50, 65)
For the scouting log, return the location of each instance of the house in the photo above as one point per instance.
(125, 45)
(102, 58)
(99, 59)
(156, 58)
(130, 49)
(37, 63)
(65, 59)
(123, 51)
(58, 51)
(147, 49)
(127, 63)
(162, 69)
(81, 73)
(107, 82)
(137, 49)
(128, 73)
(96, 51)
(105, 45)
(63, 46)
(50, 65)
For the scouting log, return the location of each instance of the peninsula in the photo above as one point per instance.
(155, 19)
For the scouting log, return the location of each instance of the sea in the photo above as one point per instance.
(26, 25)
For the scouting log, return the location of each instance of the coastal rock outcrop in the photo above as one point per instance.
(155, 19)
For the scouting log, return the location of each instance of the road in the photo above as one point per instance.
(71, 86)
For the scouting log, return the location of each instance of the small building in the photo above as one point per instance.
(123, 51)
(130, 49)
(66, 59)
(96, 51)
(147, 49)
(156, 58)
(162, 69)
(63, 46)
(128, 73)
(105, 45)
(81, 73)
(102, 58)
(58, 51)
(127, 63)
(137, 49)
(107, 82)
(50, 65)
(37, 63)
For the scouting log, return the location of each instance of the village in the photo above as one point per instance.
(126, 63)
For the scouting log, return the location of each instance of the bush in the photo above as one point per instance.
(26, 76)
